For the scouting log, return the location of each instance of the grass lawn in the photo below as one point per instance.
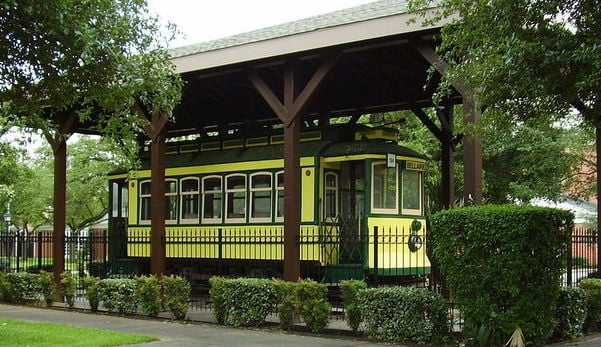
(22, 333)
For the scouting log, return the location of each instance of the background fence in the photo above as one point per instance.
(88, 255)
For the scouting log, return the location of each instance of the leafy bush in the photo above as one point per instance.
(69, 285)
(349, 290)
(313, 305)
(247, 300)
(592, 288)
(177, 295)
(2, 286)
(90, 283)
(148, 295)
(570, 313)
(286, 307)
(218, 303)
(21, 286)
(503, 264)
(117, 295)
(47, 287)
(403, 314)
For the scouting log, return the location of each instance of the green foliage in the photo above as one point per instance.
(47, 287)
(90, 284)
(176, 291)
(110, 54)
(218, 301)
(403, 314)
(69, 285)
(286, 303)
(117, 295)
(503, 264)
(570, 313)
(2, 286)
(21, 286)
(592, 287)
(313, 304)
(148, 294)
(350, 290)
(246, 301)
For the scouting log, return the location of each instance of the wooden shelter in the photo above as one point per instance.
(366, 59)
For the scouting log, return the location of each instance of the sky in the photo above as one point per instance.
(204, 20)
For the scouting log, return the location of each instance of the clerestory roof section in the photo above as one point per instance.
(365, 22)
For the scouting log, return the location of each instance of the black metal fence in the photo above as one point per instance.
(32, 252)
(384, 256)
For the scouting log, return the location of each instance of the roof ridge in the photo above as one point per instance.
(371, 10)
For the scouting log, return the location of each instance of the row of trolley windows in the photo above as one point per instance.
(212, 198)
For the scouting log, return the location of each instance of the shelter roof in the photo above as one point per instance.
(377, 69)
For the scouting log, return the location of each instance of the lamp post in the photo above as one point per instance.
(7, 217)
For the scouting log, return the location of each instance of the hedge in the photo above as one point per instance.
(503, 264)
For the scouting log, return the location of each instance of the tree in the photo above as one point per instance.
(529, 61)
(92, 59)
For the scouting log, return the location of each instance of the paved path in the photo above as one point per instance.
(202, 334)
(178, 334)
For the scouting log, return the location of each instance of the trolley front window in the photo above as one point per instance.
(412, 196)
(384, 188)
(331, 196)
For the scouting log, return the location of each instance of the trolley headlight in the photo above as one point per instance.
(415, 242)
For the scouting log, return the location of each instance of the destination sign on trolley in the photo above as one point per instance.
(415, 165)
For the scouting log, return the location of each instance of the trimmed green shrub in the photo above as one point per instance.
(592, 288)
(503, 264)
(176, 291)
(218, 302)
(21, 286)
(69, 285)
(286, 303)
(117, 295)
(248, 301)
(90, 283)
(2, 287)
(313, 304)
(349, 290)
(403, 314)
(47, 287)
(148, 295)
(570, 313)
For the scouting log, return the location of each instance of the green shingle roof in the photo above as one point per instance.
(360, 13)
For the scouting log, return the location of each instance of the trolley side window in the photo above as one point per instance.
(384, 188)
(235, 202)
(145, 202)
(211, 192)
(189, 196)
(279, 203)
(171, 201)
(260, 197)
(412, 192)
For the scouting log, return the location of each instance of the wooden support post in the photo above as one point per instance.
(290, 113)
(472, 155)
(448, 160)
(59, 147)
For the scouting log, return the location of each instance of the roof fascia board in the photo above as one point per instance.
(306, 41)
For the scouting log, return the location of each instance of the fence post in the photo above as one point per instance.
(18, 249)
(376, 275)
(219, 250)
(569, 265)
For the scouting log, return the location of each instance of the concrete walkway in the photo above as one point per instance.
(203, 334)
(178, 334)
